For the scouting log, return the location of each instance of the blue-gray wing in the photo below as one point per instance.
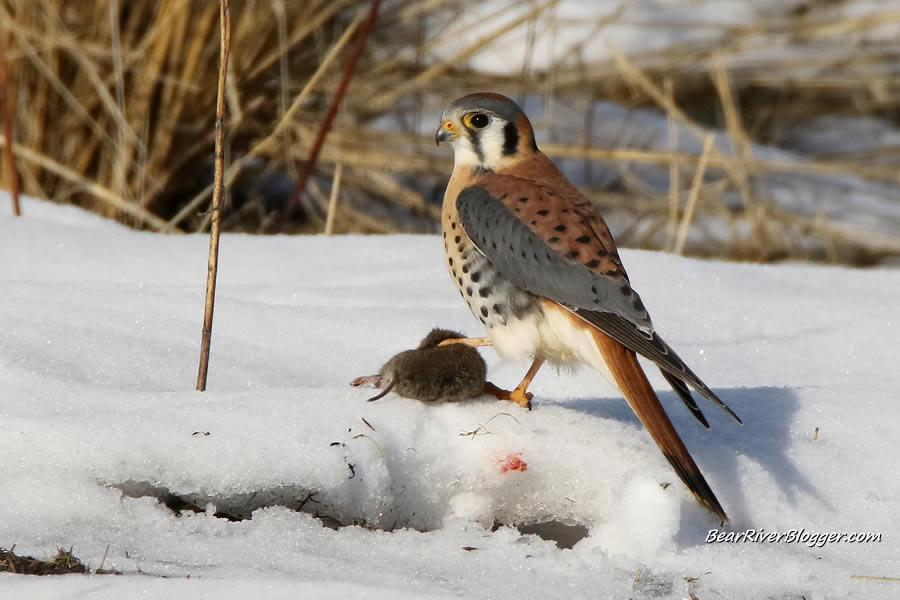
(548, 259)
(553, 248)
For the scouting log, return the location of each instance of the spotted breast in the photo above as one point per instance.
(492, 298)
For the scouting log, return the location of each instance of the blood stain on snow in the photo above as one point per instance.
(511, 462)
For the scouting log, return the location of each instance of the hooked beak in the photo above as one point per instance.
(443, 134)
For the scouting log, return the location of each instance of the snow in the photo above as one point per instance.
(585, 30)
(99, 421)
(578, 32)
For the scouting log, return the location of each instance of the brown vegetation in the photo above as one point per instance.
(64, 562)
(114, 106)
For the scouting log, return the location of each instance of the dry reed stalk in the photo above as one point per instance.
(388, 187)
(206, 338)
(415, 10)
(372, 159)
(58, 86)
(832, 60)
(674, 173)
(614, 17)
(99, 192)
(284, 76)
(394, 161)
(176, 94)
(7, 129)
(332, 199)
(152, 54)
(120, 167)
(820, 167)
(387, 98)
(634, 75)
(428, 45)
(354, 220)
(106, 96)
(694, 194)
(70, 93)
(270, 141)
(842, 232)
(320, 15)
(743, 149)
(325, 127)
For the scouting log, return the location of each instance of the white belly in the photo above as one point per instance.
(551, 335)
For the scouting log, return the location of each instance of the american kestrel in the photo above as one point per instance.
(539, 268)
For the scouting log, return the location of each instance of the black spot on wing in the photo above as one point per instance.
(544, 271)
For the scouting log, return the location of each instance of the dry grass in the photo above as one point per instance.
(11, 175)
(114, 107)
(64, 562)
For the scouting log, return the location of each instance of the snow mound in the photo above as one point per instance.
(282, 478)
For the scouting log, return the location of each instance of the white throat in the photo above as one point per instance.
(463, 154)
(491, 146)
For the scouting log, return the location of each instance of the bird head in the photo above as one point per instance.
(486, 130)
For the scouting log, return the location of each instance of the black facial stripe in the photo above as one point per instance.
(510, 139)
(476, 144)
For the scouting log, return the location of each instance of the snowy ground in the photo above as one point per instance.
(98, 421)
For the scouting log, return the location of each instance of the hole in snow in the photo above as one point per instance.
(565, 536)
(239, 507)
(236, 507)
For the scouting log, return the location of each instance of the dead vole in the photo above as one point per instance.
(432, 373)
(441, 369)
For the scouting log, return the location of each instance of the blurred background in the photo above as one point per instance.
(757, 130)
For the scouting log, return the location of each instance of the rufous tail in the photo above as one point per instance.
(633, 383)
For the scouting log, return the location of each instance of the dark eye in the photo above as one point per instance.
(479, 120)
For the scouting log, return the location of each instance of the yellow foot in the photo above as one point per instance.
(518, 396)
(474, 342)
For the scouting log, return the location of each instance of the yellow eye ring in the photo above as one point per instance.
(476, 120)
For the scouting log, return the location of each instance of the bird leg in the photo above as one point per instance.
(501, 394)
(520, 395)
(473, 342)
